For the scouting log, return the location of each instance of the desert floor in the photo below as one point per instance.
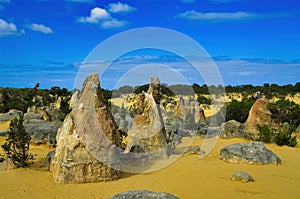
(188, 178)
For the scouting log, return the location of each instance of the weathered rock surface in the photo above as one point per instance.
(48, 113)
(200, 116)
(88, 141)
(154, 89)
(32, 116)
(193, 150)
(218, 118)
(48, 160)
(148, 131)
(7, 164)
(74, 99)
(144, 194)
(41, 131)
(251, 153)
(258, 114)
(181, 108)
(242, 176)
(232, 129)
(10, 115)
(298, 131)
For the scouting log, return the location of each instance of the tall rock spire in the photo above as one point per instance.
(88, 141)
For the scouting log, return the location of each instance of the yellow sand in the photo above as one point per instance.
(188, 178)
(4, 126)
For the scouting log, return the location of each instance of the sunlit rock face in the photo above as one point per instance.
(148, 132)
(88, 141)
(259, 114)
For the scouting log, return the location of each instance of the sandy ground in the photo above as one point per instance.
(188, 178)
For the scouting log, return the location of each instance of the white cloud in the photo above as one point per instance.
(7, 29)
(41, 28)
(188, 1)
(121, 8)
(102, 17)
(96, 15)
(113, 23)
(216, 16)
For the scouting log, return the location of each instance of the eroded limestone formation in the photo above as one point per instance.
(258, 114)
(148, 132)
(88, 141)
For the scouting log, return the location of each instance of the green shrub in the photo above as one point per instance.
(284, 137)
(239, 111)
(203, 100)
(265, 134)
(17, 143)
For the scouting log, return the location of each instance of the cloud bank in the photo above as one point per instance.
(7, 29)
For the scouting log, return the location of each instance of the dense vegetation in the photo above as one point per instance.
(268, 90)
(22, 98)
(282, 136)
(239, 111)
(285, 111)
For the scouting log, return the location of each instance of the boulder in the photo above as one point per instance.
(232, 129)
(10, 115)
(217, 119)
(32, 116)
(148, 131)
(88, 141)
(41, 131)
(7, 164)
(48, 159)
(194, 150)
(242, 176)
(251, 153)
(143, 194)
(3, 132)
(258, 114)
(49, 113)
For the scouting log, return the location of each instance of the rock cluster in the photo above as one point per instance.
(251, 153)
(10, 115)
(88, 141)
(41, 131)
(144, 194)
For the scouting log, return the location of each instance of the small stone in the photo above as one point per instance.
(242, 176)
(193, 150)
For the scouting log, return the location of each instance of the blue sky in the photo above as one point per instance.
(251, 41)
